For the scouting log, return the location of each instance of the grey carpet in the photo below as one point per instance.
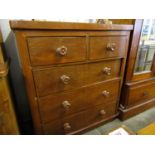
(134, 124)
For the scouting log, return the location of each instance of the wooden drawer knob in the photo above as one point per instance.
(66, 105)
(102, 112)
(67, 126)
(111, 47)
(65, 79)
(62, 50)
(106, 93)
(107, 70)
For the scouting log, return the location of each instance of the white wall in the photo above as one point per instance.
(5, 28)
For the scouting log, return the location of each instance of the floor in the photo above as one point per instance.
(134, 124)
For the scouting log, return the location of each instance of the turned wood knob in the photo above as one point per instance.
(65, 79)
(107, 70)
(111, 47)
(102, 112)
(67, 126)
(66, 105)
(106, 93)
(62, 50)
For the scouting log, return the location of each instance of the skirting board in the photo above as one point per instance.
(127, 113)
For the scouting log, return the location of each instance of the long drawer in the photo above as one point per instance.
(108, 47)
(80, 120)
(58, 79)
(141, 93)
(55, 50)
(64, 104)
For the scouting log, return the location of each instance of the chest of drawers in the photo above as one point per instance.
(73, 72)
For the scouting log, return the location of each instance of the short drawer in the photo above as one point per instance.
(56, 50)
(61, 105)
(108, 47)
(80, 120)
(141, 93)
(58, 79)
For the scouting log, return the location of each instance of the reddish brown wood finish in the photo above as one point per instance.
(80, 120)
(139, 92)
(138, 89)
(133, 49)
(122, 21)
(48, 80)
(53, 104)
(42, 77)
(27, 73)
(130, 75)
(46, 25)
(99, 47)
(132, 111)
(44, 50)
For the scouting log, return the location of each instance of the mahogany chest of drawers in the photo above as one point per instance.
(73, 72)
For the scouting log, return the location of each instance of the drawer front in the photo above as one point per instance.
(141, 93)
(107, 47)
(64, 104)
(80, 120)
(58, 79)
(55, 50)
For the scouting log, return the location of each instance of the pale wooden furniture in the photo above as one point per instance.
(8, 122)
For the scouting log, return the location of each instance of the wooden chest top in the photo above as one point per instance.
(16, 24)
